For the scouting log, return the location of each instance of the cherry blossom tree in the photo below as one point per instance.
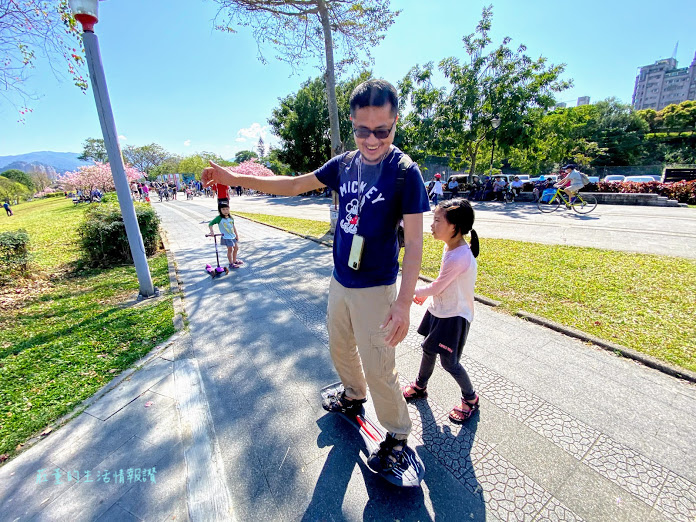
(252, 168)
(96, 176)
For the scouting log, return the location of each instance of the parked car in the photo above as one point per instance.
(614, 178)
(594, 179)
(639, 179)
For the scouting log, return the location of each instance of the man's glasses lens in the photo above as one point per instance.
(364, 132)
(380, 134)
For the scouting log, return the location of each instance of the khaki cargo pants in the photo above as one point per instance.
(361, 356)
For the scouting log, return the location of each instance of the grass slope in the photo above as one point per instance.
(66, 333)
(644, 302)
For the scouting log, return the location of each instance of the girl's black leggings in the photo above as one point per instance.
(452, 366)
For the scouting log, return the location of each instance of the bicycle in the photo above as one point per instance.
(581, 203)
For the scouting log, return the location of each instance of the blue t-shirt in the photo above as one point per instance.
(379, 215)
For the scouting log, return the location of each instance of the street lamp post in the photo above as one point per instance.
(86, 12)
(495, 123)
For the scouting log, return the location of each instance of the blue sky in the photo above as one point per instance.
(175, 81)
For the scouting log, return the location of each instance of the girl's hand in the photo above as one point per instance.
(419, 300)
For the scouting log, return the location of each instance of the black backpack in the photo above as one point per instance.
(404, 164)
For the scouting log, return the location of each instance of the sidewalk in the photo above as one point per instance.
(230, 418)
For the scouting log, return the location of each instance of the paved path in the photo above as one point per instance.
(651, 230)
(230, 417)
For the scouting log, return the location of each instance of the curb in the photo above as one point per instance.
(174, 284)
(618, 349)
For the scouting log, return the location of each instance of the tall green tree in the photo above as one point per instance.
(619, 130)
(95, 150)
(558, 137)
(40, 180)
(493, 83)
(168, 166)
(299, 29)
(145, 158)
(301, 123)
(245, 155)
(11, 190)
(672, 136)
(20, 177)
(680, 117)
(195, 163)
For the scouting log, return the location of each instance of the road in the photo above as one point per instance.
(650, 230)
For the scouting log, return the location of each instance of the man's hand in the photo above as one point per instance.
(217, 174)
(397, 322)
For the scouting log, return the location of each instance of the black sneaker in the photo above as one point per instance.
(388, 456)
(339, 403)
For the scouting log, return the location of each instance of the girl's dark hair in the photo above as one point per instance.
(221, 207)
(374, 93)
(459, 212)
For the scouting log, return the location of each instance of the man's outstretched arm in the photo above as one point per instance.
(281, 185)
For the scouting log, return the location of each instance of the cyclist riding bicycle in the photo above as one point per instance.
(572, 183)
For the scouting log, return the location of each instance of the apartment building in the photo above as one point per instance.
(662, 84)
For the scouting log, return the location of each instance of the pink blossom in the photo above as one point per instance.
(252, 168)
(96, 176)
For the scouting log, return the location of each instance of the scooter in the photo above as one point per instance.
(218, 271)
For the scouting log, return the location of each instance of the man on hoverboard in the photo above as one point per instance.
(368, 316)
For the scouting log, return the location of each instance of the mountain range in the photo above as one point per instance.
(52, 163)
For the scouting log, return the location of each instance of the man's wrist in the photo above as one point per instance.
(404, 301)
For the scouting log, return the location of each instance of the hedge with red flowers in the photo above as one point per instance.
(682, 191)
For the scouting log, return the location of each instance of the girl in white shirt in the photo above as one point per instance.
(446, 322)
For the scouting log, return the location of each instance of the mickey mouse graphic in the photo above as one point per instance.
(350, 224)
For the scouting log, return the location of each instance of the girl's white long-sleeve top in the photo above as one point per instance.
(453, 291)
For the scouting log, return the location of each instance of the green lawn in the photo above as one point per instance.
(65, 334)
(644, 302)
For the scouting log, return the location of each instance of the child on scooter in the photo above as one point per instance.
(446, 322)
(230, 237)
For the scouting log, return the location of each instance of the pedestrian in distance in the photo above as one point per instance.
(453, 186)
(7, 208)
(445, 325)
(230, 237)
(222, 193)
(377, 186)
(437, 188)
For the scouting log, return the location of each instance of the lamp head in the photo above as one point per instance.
(495, 122)
(86, 12)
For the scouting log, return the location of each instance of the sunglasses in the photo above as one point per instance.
(380, 134)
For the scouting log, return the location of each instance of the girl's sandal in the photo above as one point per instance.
(463, 414)
(413, 392)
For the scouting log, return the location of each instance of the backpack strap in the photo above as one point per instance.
(404, 164)
(347, 159)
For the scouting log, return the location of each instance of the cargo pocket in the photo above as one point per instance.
(383, 355)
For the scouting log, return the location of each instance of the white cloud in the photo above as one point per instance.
(253, 132)
(241, 140)
(187, 143)
(122, 137)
